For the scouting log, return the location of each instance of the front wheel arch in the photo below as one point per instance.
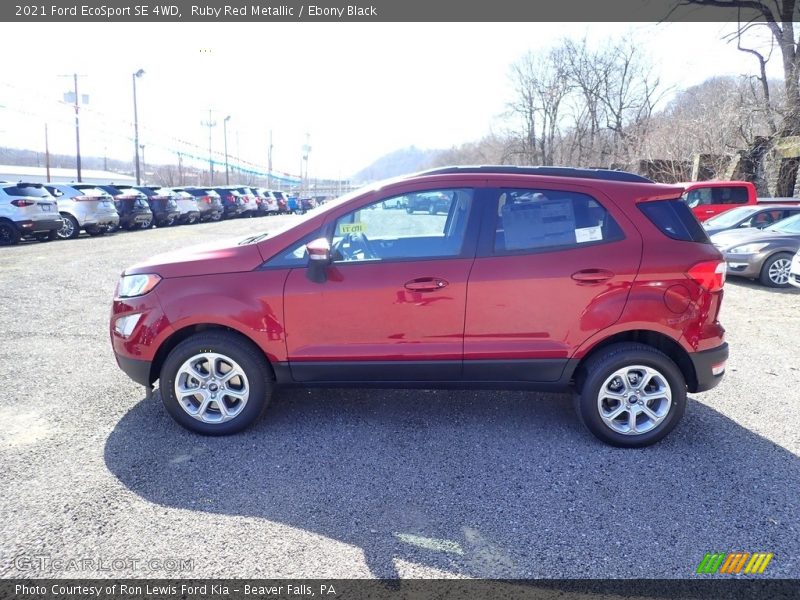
(185, 333)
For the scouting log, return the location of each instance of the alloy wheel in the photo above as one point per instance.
(212, 387)
(634, 400)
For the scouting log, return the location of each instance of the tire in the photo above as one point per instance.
(226, 351)
(46, 236)
(96, 231)
(775, 272)
(9, 234)
(146, 224)
(112, 228)
(663, 380)
(70, 230)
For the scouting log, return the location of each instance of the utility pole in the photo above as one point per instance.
(46, 153)
(306, 152)
(269, 162)
(225, 135)
(77, 102)
(136, 76)
(144, 165)
(180, 168)
(210, 124)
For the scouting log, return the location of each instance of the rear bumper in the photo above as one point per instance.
(38, 226)
(704, 363)
(101, 220)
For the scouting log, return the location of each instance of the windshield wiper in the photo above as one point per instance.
(254, 238)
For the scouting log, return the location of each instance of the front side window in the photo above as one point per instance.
(433, 224)
(538, 220)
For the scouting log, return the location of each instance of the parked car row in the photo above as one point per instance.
(51, 211)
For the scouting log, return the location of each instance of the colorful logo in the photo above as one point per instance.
(735, 563)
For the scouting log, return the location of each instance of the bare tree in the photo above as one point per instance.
(779, 17)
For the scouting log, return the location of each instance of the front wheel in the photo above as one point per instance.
(215, 383)
(46, 236)
(631, 395)
(775, 272)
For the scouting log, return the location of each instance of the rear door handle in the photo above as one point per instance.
(592, 276)
(425, 284)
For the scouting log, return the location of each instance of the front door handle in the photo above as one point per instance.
(592, 276)
(426, 284)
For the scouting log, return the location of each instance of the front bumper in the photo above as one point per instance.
(137, 370)
(744, 265)
(704, 363)
(30, 226)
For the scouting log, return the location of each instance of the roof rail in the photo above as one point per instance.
(606, 174)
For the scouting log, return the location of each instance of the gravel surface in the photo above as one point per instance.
(362, 483)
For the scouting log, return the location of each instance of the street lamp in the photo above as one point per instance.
(225, 135)
(136, 76)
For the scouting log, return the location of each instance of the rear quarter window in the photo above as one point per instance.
(675, 220)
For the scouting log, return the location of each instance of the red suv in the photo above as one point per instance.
(539, 278)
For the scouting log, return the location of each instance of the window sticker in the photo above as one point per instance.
(588, 234)
(345, 228)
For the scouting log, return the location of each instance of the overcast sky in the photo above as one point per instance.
(359, 90)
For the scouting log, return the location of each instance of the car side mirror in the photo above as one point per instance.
(319, 257)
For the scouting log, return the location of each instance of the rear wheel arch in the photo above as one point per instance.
(186, 332)
(654, 339)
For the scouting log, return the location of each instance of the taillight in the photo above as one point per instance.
(127, 197)
(232, 198)
(206, 199)
(23, 203)
(709, 274)
(84, 198)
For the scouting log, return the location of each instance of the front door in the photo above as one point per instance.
(392, 306)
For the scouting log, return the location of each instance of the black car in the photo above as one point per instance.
(132, 206)
(163, 204)
(429, 202)
(743, 217)
(232, 202)
(208, 202)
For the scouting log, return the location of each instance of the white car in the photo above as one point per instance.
(794, 271)
(27, 210)
(87, 208)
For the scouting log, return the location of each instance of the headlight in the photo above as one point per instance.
(748, 248)
(131, 286)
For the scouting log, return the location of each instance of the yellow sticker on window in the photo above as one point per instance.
(345, 228)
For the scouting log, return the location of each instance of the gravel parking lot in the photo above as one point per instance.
(362, 483)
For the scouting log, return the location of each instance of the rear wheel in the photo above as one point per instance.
(146, 224)
(70, 228)
(775, 272)
(631, 395)
(95, 231)
(215, 383)
(47, 236)
(9, 235)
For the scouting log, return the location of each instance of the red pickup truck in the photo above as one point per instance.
(710, 198)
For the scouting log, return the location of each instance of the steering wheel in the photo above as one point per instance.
(359, 244)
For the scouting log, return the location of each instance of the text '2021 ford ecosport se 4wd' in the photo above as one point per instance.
(537, 278)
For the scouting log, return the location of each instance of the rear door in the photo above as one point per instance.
(392, 308)
(554, 266)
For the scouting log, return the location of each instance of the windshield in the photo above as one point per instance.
(729, 218)
(790, 225)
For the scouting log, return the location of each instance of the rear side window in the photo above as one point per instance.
(735, 194)
(675, 220)
(32, 191)
(540, 220)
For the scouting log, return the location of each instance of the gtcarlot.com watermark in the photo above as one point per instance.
(45, 563)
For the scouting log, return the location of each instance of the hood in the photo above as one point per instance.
(205, 259)
(737, 237)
